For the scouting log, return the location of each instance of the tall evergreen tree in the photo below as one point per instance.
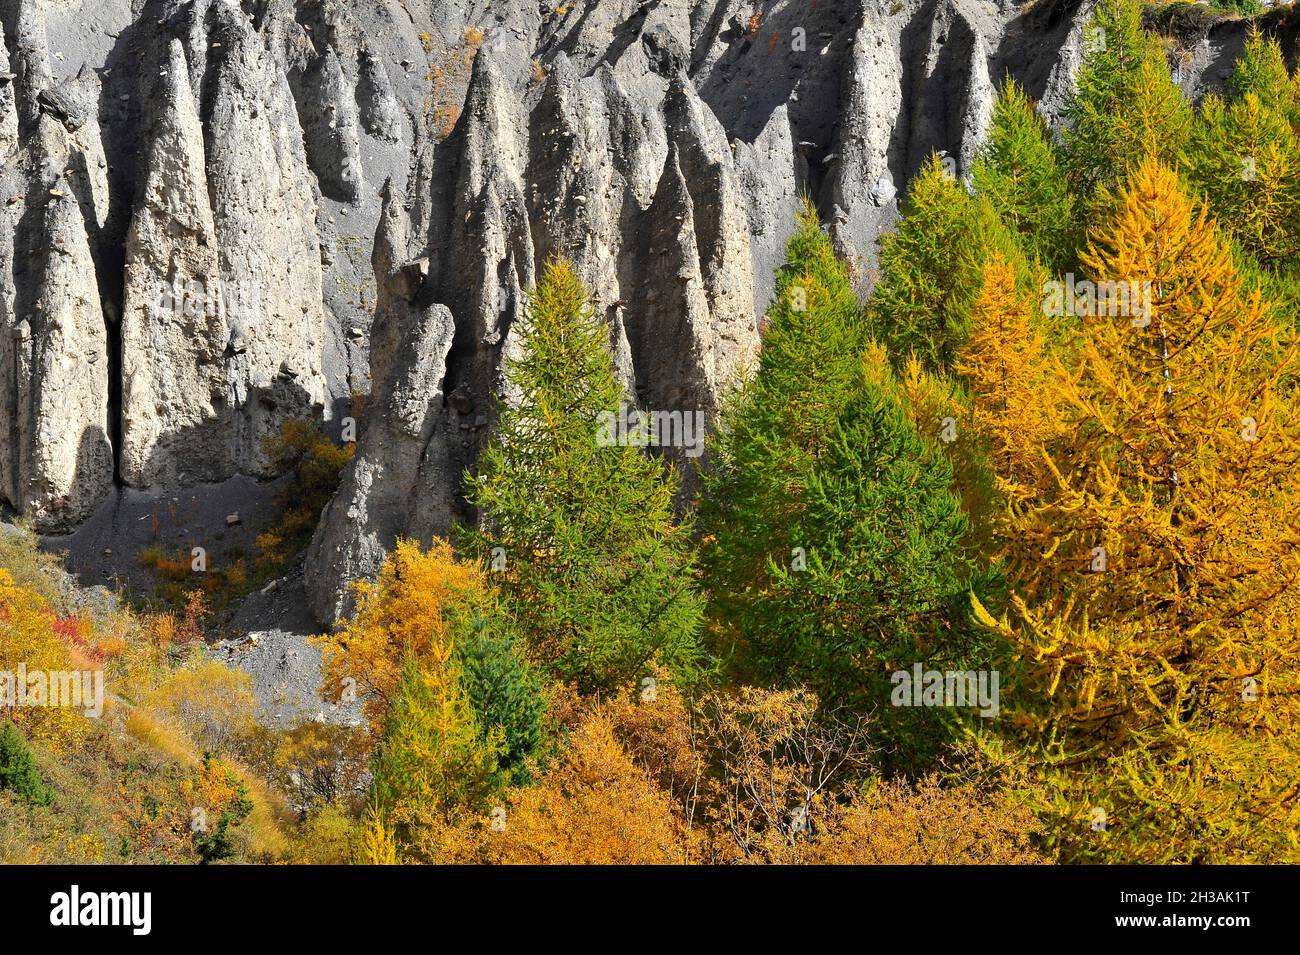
(777, 426)
(879, 582)
(1018, 172)
(930, 269)
(1261, 69)
(595, 570)
(921, 304)
(1124, 104)
(834, 546)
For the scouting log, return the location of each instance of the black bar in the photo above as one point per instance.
(462, 906)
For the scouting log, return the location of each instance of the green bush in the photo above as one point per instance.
(18, 772)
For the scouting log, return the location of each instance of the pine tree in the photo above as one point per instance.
(18, 771)
(776, 427)
(1159, 574)
(1018, 172)
(1124, 103)
(921, 304)
(1261, 69)
(595, 571)
(834, 545)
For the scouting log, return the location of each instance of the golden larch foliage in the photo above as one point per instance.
(1159, 571)
(1004, 363)
(406, 610)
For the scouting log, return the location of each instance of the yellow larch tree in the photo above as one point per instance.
(1004, 364)
(406, 611)
(1154, 624)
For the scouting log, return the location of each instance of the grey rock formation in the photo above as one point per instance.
(174, 425)
(8, 105)
(396, 484)
(196, 245)
(328, 107)
(54, 384)
(264, 215)
(29, 53)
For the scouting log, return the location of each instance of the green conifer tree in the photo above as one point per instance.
(776, 427)
(504, 689)
(1018, 172)
(595, 570)
(834, 545)
(433, 757)
(1124, 105)
(1244, 157)
(930, 269)
(882, 583)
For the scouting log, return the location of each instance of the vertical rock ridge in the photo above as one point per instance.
(174, 331)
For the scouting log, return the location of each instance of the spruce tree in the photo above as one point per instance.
(595, 570)
(504, 689)
(921, 304)
(834, 545)
(1261, 69)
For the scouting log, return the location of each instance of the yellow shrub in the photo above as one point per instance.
(212, 702)
(595, 807)
(405, 611)
(29, 640)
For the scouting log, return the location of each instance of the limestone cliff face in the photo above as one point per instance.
(219, 215)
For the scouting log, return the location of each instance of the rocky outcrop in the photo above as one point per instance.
(264, 216)
(175, 424)
(195, 246)
(29, 55)
(8, 105)
(397, 484)
(54, 355)
(648, 206)
(328, 108)
(380, 111)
